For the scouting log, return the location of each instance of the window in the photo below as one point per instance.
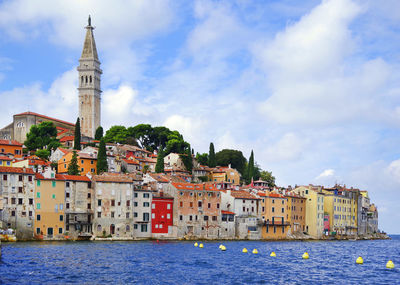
(112, 214)
(89, 206)
(146, 204)
(60, 230)
(128, 203)
(214, 218)
(12, 213)
(19, 177)
(146, 195)
(112, 203)
(190, 218)
(37, 217)
(143, 228)
(128, 228)
(82, 169)
(99, 214)
(244, 209)
(38, 206)
(81, 161)
(99, 202)
(53, 183)
(209, 205)
(38, 231)
(61, 218)
(135, 195)
(205, 218)
(30, 213)
(89, 195)
(66, 194)
(135, 226)
(181, 204)
(168, 206)
(56, 208)
(180, 218)
(37, 194)
(135, 204)
(38, 184)
(217, 205)
(19, 189)
(200, 204)
(13, 201)
(67, 205)
(273, 201)
(20, 201)
(273, 210)
(53, 196)
(5, 177)
(146, 217)
(127, 215)
(91, 162)
(92, 170)
(283, 210)
(168, 216)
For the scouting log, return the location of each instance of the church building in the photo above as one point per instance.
(89, 100)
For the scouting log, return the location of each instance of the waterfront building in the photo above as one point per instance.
(162, 216)
(142, 201)
(275, 216)
(247, 211)
(17, 191)
(372, 219)
(49, 205)
(79, 206)
(296, 207)
(314, 209)
(113, 205)
(196, 210)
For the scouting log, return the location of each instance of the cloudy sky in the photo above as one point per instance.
(313, 87)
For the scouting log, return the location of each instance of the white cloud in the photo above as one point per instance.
(288, 147)
(326, 173)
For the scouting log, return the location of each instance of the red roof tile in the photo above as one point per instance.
(130, 161)
(46, 117)
(3, 157)
(227, 212)
(191, 186)
(6, 169)
(67, 138)
(241, 194)
(10, 142)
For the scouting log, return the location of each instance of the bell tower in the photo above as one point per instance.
(89, 85)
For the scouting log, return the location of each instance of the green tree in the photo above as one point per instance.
(160, 162)
(250, 168)
(212, 162)
(187, 159)
(77, 138)
(102, 165)
(202, 158)
(233, 157)
(42, 136)
(146, 168)
(73, 168)
(116, 134)
(176, 143)
(99, 133)
(43, 154)
(143, 133)
(268, 177)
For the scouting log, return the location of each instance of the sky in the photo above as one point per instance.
(313, 87)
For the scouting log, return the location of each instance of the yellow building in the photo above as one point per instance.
(5, 161)
(275, 216)
(225, 174)
(49, 206)
(314, 224)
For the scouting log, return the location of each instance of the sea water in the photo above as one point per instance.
(178, 262)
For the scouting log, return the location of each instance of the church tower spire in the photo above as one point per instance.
(89, 85)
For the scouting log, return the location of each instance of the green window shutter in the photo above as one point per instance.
(53, 196)
(38, 182)
(38, 194)
(38, 206)
(53, 183)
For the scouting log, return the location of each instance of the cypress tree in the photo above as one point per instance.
(160, 162)
(99, 133)
(250, 168)
(102, 158)
(73, 168)
(212, 162)
(77, 139)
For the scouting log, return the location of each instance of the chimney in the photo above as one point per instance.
(229, 166)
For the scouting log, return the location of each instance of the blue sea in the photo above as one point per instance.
(151, 262)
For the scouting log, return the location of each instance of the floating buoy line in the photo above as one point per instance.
(359, 260)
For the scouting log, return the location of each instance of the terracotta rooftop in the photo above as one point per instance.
(3, 157)
(67, 138)
(227, 212)
(240, 194)
(130, 161)
(45, 117)
(113, 177)
(10, 142)
(159, 177)
(191, 186)
(23, 170)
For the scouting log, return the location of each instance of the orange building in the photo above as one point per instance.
(86, 162)
(296, 207)
(8, 147)
(49, 206)
(275, 216)
(224, 174)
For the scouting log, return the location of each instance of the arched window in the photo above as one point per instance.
(99, 228)
(81, 79)
(90, 79)
(86, 78)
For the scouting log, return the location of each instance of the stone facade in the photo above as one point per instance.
(142, 212)
(17, 190)
(89, 85)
